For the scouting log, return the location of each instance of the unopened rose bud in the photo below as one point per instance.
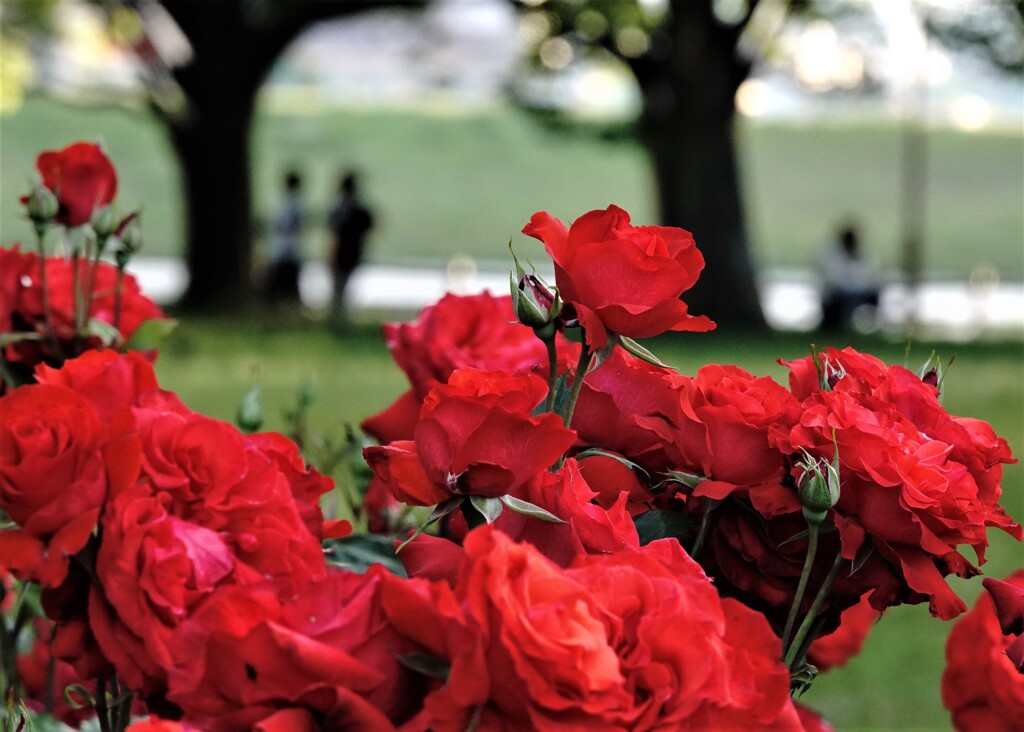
(536, 305)
(42, 204)
(104, 222)
(819, 488)
(129, 231)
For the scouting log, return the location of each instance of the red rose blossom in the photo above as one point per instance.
(476, 436)
(917, 483)
(82, 177)
(597, 646)
(249, 657)
(621, 278)
(458, 331)
(981, 687)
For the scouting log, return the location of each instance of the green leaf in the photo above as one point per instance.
(151, 334)
(426, 664)
(359, 553)
(517, 505)
(865, 551)
(595, 452)
(690, 480)
(664, 524)
(489, 508)
(108, 334)
(440, 511)
(640, 352)
(78, 697)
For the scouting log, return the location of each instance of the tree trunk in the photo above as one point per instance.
(689, 81)
(234, 44)
(214, 156)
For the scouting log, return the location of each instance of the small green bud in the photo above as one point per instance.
(42, 204)
(104, 222)
(129, 231)
(818, 488)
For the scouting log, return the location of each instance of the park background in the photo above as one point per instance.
(463, 126)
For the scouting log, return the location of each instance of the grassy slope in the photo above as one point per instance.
(893, 685)
(447, 185)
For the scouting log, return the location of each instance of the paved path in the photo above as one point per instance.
(954, 310)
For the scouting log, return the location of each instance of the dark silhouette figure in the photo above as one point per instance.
(848, 282)
(349, 222)
(286, 243)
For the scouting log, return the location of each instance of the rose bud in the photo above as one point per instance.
(536, 305)
(819, 488)
(104, 222)
(42, 205)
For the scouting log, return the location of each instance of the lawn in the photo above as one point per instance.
(443, 185)
(893, 685)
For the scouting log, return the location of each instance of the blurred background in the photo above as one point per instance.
(764, 127)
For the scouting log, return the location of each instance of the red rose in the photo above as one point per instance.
(916, 496)
(1008, 599)
(52, 469)
(612, 403)
(981, 687)
(475, 331)
(622, 278)
(82, 177)
(112, 382)
(588, 528)
(719, 427)
(154, 568)
(476, 436)
(596, 646)
(21, 305)
(247, 657)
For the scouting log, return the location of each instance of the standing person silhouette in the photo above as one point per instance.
(847, 281)
(349, 222)
(285, 243)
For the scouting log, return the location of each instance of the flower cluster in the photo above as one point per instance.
(612, 546)
(56, 307)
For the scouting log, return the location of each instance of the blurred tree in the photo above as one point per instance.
(689, 58)
(205, 61)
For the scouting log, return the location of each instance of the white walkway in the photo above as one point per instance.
(954, 310)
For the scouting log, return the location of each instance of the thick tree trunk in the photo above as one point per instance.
(234, 44)
(689, 85)
(214, 158)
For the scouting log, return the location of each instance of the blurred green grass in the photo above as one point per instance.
(894, 684)
(444, 185)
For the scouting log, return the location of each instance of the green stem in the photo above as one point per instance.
(705, 526)
(102, 712)
(577, 382)
(819, 600)
(549, 403)
(44, 293)
(117, 298)
(801, 588)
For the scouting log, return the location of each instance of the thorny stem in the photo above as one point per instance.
(819, 600)
(801, 588)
